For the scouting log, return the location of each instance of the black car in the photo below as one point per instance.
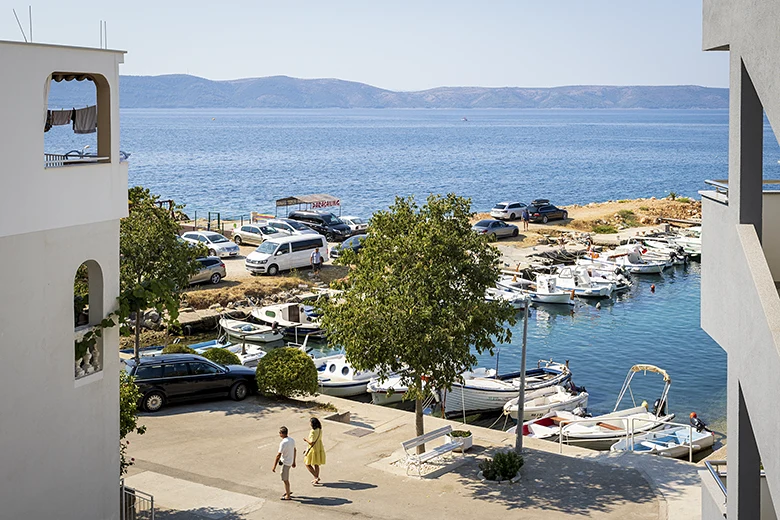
(323, 223)
(355, 243)
(172, 377)
(546, 212)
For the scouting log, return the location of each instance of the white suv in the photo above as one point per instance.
(507, 210)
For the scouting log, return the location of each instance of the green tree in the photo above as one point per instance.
(155, 264)
(414, 303)
(222, 356)
(288, 372)
(129, 396)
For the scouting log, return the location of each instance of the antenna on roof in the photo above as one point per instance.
(103, 35)
(20, 25)
(29, 10)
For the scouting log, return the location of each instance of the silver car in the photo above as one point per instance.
(290, 226)
(256, 234)
(212, 270)
(217, 244)
(497, 228)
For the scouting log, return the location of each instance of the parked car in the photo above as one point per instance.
(498, 228)
(325, 224)
(171, 377)
(292, 227)
(546, 212)
(257, 234)
(212, 270)
(356, 224)
(217, 244)
(281, 254)
(507, 210)
(355, 243)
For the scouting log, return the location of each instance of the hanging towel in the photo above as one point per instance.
(61, 117)
(47, 125)
(85, 120)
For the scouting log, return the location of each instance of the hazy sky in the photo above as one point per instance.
(399, 45)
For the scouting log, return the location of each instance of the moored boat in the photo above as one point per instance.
(339, 379)
(295, 319)
(545, 400)
(243, 331)
(674, 441)
(576, 278)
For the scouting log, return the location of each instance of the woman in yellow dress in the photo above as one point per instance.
(315, 453)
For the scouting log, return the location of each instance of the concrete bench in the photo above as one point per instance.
(419, 459)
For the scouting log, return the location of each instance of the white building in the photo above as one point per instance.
(741, 264)
(59, 425)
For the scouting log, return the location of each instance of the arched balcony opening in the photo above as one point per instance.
(87, 313)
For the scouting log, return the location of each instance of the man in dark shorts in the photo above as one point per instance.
(525, 216)
(316, 261)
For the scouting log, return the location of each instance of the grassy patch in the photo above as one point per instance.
(644, 208)
(604, 229)
(629, 217)
(684, 200)
(623, 201)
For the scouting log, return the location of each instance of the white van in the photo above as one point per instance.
(282, 254)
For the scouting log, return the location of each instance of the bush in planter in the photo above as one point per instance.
(221, 356)
(460, 433)
(288, 372)
(177, 349)
(503, 466)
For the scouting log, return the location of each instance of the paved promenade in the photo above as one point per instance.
(214, 459)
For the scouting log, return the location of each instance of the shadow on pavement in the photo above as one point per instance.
(320, 501)
(200, 513)
(348, 484)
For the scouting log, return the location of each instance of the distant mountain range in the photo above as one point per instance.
(184, 91)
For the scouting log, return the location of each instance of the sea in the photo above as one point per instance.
(233, 162)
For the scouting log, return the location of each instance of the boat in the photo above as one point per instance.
(660, 250)
(294, 319)
(545, 400)
(544, 290)
(339, 379)
(674, 441)
(628, 257)
(609, 275)
(249, 354)
(482, 390)
(516, 299)
(389, 391)
(602, 431)
(244, 331)
(576, 278)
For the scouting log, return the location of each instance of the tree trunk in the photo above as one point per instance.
(418, 421)
(138, 318)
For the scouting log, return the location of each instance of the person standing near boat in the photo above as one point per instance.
(314, 456)
(286, 459)
(316, 261)
(525, 216)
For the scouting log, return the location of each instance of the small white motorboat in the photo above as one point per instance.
(544, 290)
(628, 257)
(601, 432)
(389, 391)
(545, 400)
(576, 278)
(481, 390)
(674, 441)
(516, 299)
(244, 331)
(247, 353)
(339, 379)
(295, 319)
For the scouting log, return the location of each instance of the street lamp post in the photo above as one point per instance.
(521, 396)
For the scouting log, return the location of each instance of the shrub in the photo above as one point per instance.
(129, 396)
(460, 433)
(177, 349)
(684, 200)
(644, 208)
(625, 213)
(503, 466)
(221, 356)
(672, 195)
(288, 372)
(623, 201)
(604, 229)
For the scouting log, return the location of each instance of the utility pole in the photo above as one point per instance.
(521, 396)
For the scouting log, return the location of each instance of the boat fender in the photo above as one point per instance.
(652, 288)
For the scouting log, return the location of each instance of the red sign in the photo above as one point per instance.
(325, 204)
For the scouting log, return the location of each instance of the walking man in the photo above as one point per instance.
(286, 459)
(525, 216)
(316, 261)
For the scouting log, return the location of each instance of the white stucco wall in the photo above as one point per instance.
(59, 436)
(770, 239)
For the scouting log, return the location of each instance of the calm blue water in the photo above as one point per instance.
(237, 161)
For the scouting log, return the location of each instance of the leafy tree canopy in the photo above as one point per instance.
(288, 372)
(129, 396)
(414, 302)
(222, 356)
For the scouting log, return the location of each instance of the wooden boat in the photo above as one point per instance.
(339, 379)
(545, 400)
(674, 441)
(601, 432)
(295, 319)
(243, 331)
(482, 390)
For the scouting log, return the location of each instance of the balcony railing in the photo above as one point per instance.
(135, 505)
(55, 160)
(90, 362)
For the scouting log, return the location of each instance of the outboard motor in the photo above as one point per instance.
(659, 410)
(581, 412)
(698, 423)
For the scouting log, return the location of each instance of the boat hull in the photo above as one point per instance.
(671, 442)
(535, 411)
(343, 388)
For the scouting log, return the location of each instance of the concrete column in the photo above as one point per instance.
(743, 482)
(746, 146)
